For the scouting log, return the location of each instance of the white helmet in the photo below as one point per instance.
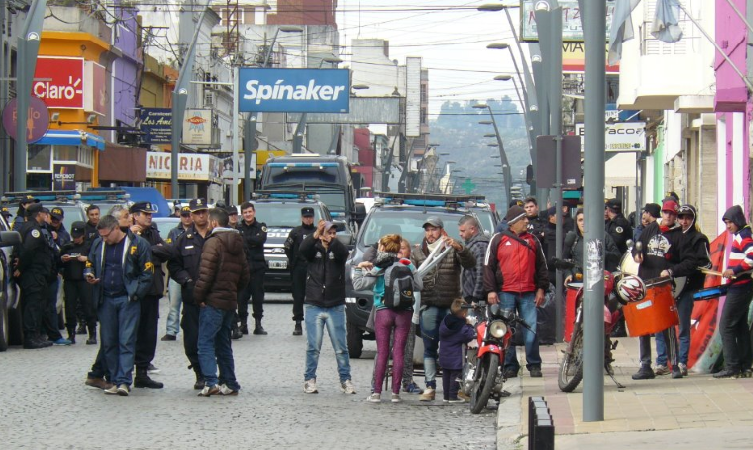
(631, 288)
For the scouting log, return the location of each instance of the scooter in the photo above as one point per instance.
(482, 372)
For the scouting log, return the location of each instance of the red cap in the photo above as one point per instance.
(670, 205)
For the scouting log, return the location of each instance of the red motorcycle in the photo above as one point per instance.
(482, 372)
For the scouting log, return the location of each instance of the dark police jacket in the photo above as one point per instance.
(73, 270)
(90, 232)
(325, 282)
(160, 254)
(620, 230)
(254, 236)
(138, 269)
(293, 244)
(185, 262)
(37, 260)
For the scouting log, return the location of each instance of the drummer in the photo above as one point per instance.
(658, 257)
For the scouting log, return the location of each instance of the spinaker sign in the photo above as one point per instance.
(294, 90)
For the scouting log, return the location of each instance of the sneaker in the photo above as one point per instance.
(169, 337)
(465, 397)
(683, 369)
(509, 373)
(209, 391)
(748, 373)
(112, 390)
(535, 372)
(99, 383)
(396, 398)
(662, 370)
(152, 369)
(727, 373)
(61, 341)
(374, 398)
(644, 373)
(309, 387)
(123, 390)
(225, 390)
(456, 400)
(347, 387)
(412, 388)
(428, 395)
(676, 372)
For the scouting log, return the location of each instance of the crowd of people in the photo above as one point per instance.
(111, 269)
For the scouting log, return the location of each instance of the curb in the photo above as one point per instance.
(510, 417)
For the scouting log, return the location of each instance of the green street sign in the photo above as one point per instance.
(468, 186)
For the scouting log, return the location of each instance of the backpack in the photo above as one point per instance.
(398, 287)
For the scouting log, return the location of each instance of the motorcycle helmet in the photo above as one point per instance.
(631, 288)
(608, 282)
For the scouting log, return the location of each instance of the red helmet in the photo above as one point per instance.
(608, 283)
(631, 288)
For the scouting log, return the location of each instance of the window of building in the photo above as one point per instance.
(424, 116)
(86, 156)
(40, 158)
(65, 153)
(424, 94)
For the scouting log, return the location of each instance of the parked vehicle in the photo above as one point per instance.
(402, 214)
(10, 313)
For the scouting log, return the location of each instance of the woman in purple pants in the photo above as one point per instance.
(371, 275)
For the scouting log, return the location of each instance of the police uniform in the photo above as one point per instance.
(146, 336)
(78, 293)
(37, 267)
(619, 227)
(173, 288)
(298, 265)
(184, 269)
(254, 237)
(22, 213)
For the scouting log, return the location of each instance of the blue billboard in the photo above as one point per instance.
(294, 90)
(156, 124)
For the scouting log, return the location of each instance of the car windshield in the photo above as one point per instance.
(485, 217)
(408, 224)
(283, 214)
(165, 224)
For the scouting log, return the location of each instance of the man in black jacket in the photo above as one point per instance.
(536, 223)
(184, 269)
(617, 225)
(660, 256)
(146, 338)
(325, 303)
(298, 264)
(173, 288)
(78, 293)
(254, 235)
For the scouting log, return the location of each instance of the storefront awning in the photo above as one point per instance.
(72, 137)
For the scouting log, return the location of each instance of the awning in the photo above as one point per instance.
(72, 137)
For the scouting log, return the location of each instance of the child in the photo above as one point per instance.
(454, 331)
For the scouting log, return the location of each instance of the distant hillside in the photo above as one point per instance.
(459, 133)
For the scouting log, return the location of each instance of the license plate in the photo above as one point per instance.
(278, 264)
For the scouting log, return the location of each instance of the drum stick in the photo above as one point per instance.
(711, 272)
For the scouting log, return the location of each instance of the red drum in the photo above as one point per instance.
(573, 289)
(655, 313)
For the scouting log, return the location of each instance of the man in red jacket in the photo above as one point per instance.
(515, 275)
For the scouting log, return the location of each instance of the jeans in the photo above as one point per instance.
(173, 314)
(429, 321)
(119, 320)
(316, 318)
(385, 322)
(684, 310)
(524, 303)
(734, 328)
(450, 384)
(215, 348)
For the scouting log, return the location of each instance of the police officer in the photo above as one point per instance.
(78, 293)
(173, 288)
(22, 213)
(254, 236)
(36, 264)
(298, 265)
(184, 269)
(146, 336)
(5, 211)
(57, 228)
(617, 225)
(92, 219)
(232, 215)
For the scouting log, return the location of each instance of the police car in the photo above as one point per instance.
(281, 212)
(402, 214)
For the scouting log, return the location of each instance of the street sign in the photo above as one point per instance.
(61, 82)
(468, 186)
(156, 125)
(36, 123)
(546, 157)
(619, 136)
(293, 90)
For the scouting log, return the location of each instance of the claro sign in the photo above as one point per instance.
(60, 82)
(294, 90)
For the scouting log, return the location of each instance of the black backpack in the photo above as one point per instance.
(398, 287)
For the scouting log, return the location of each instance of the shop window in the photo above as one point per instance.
(86, 156)
(39, 158)
(66, 153)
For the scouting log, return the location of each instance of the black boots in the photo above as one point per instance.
(142, 380)
(298, 330)
(72, 335)
(235, 332)
(258, 329)
(200, 382)
(92, 335)
(81, 328)
(244, 328)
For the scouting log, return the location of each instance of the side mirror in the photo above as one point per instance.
(359, 213)
(9, 238)
(340, 225)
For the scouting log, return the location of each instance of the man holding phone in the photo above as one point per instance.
(78, 294)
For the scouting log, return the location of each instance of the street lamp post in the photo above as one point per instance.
(507, 179)
(300, 129)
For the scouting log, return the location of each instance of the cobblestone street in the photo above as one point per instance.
(46, 405)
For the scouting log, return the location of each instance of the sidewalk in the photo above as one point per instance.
(693, 412)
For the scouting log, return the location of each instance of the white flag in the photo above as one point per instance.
(621, 29)
(665, 27)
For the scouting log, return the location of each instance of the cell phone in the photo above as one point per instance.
(89, 275)
(74, 255)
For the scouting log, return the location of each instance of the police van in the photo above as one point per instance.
(281, 212)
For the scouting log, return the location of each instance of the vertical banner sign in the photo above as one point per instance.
(294, 90)
(64, 177)
(413, 96)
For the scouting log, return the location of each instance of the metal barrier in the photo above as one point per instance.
(540, 425)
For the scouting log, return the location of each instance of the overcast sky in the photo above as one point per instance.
(450, 35)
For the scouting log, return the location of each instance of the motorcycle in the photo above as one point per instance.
(571, 367)
(482, 376)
